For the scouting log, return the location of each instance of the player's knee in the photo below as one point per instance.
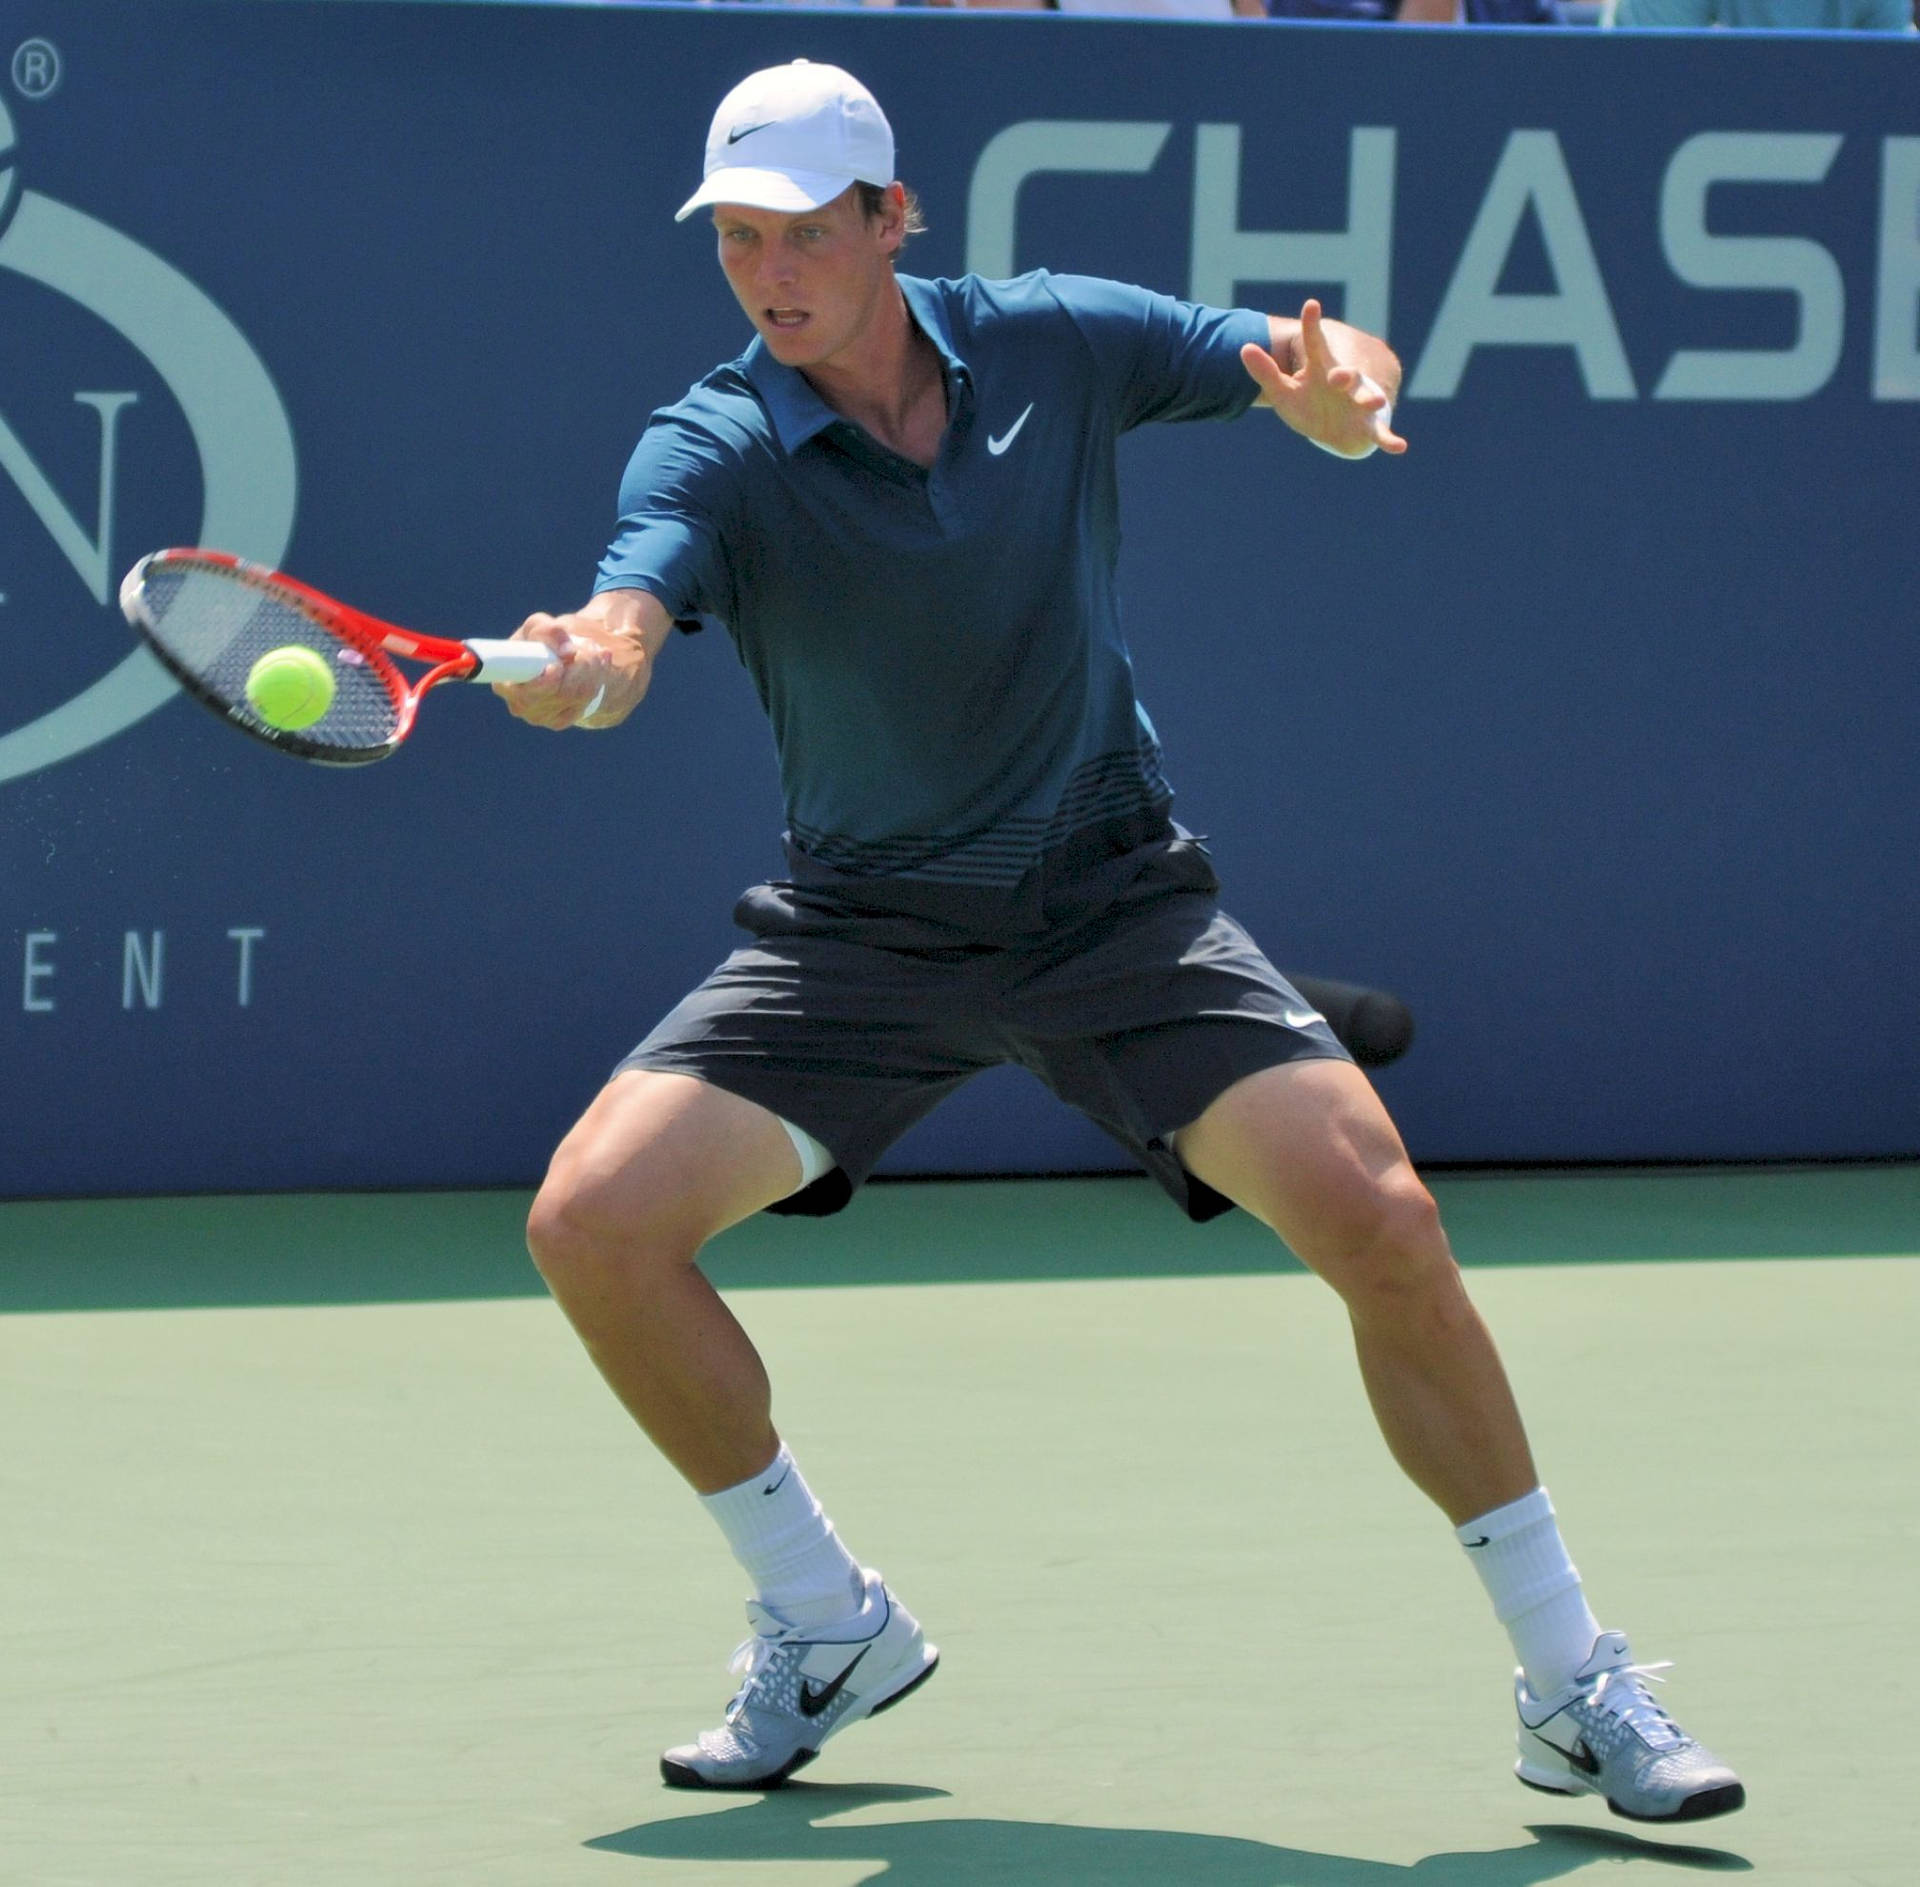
(1395, 1255)
(560, 1237)
(583, 1233)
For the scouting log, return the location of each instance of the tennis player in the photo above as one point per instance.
(902, 502)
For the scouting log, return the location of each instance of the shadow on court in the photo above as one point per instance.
(787, 1826)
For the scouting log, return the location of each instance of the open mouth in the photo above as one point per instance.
(786, 318)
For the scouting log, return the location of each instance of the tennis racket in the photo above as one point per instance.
(209, 617)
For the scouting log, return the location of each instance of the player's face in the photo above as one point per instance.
(810, 284)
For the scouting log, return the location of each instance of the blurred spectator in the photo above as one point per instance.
(1437, 12)
(1860, 16)
(1482, 13)
(1442, 12)
(1164, 9)
(1159, 9)
(1425, 12)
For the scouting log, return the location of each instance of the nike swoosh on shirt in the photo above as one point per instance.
(998, 446)
(1301, 1018)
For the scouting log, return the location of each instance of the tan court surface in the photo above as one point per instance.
(328, 1560)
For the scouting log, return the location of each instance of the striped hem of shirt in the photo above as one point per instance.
(1117, 785)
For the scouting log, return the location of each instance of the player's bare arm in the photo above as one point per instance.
(1331, 383)
(607, 650)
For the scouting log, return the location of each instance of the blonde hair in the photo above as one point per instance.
(873, 199)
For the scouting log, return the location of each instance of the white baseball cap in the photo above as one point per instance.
(792, 138)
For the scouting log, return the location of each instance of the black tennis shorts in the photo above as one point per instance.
(854, 1022)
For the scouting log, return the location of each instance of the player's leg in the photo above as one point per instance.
(657, 1165)
(1307, 1147)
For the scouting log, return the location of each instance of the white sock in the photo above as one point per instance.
(787, 1545)
(1517, 1552)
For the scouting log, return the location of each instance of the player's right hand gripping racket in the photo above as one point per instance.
(211, 617)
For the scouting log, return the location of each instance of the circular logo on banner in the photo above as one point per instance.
(239, 427)
(7, 182)
(36, 68)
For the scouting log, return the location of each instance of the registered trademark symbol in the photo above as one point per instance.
(36, 68)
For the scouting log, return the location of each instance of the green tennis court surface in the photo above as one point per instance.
(328, 1559)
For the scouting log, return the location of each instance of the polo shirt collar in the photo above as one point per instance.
(799, 414)
(929, 310)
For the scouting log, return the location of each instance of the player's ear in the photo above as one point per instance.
(892, 217)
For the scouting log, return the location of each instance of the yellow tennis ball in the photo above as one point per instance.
(290, 688)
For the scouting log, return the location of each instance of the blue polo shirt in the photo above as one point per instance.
(939, 651)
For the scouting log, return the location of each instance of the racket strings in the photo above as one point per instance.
(214, 625)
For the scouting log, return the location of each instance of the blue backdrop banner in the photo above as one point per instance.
(1588, 726)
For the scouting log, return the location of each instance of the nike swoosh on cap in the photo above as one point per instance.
(747, 130)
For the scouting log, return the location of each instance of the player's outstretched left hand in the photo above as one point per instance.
(1332, 403)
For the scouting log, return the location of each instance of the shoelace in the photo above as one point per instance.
(750, 1657)
(1633, 1703)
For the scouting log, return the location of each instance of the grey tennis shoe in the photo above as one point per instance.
(1604, 1735)
(799, 1687)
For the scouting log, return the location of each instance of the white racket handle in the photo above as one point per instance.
(512, 661)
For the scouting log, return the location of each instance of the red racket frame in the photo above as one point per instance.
(379, 642)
